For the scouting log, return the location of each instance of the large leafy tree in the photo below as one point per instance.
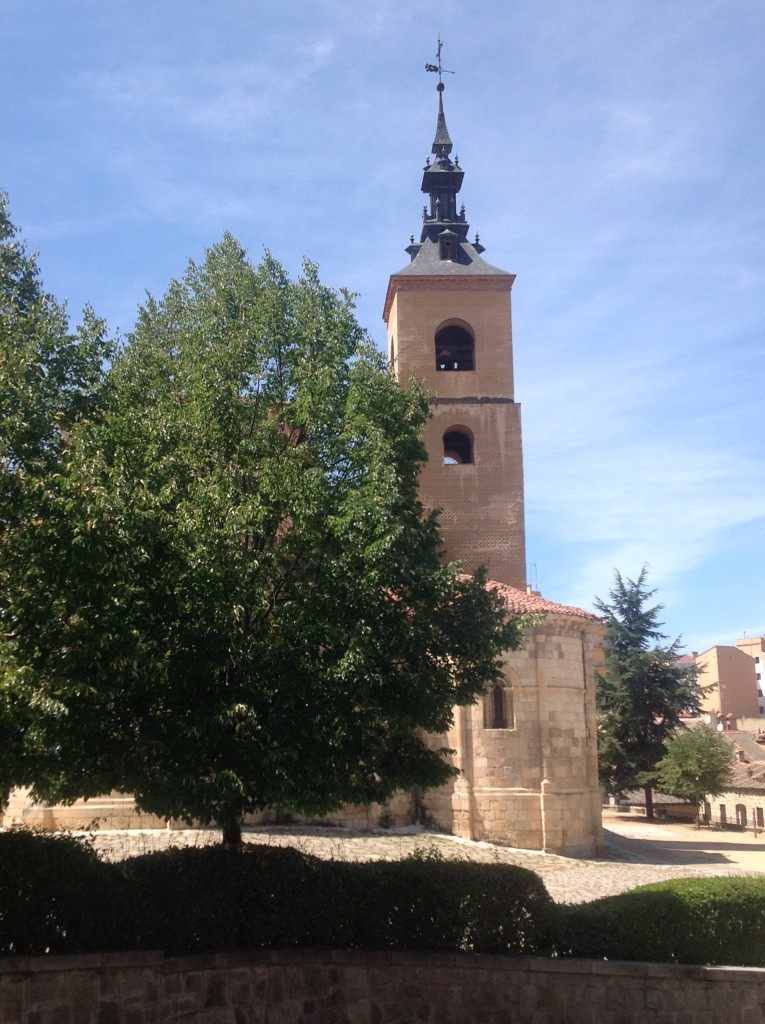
(227, 595)
(50, 378)
(697, 763)
(643, 691)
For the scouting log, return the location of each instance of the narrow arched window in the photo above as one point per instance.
(498, 710)
(454, 349)
(458, 448)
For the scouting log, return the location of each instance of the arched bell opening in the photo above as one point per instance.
(458, 447)
(455, 348)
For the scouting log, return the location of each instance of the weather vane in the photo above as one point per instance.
(438, 68)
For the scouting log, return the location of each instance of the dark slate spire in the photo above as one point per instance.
(442, 179)
(442, 143)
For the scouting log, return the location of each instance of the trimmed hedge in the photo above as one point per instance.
(689, 920)
(217, 898)
(57, 897)
(220, 898)
(426, 902)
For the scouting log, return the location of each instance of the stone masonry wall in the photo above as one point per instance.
(531, 785)
(325, 987)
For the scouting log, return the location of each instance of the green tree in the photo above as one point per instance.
(642, 692)
(697, 764)
(50, 377)
(228, 596)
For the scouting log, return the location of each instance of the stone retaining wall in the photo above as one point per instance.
(331, 987)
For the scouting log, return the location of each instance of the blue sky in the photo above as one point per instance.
(615, 161)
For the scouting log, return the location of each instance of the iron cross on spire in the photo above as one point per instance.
(438, 68)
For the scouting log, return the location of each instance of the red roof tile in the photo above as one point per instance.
(527, 602)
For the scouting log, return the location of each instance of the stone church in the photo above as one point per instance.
(527, 755)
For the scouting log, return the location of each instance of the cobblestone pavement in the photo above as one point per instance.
(635, 852)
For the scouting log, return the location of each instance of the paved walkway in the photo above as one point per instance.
(636, 852)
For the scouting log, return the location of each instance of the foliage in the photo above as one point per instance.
(228, 897)
(427, 902)
(642, 692)
(50, 378)
(697, 764)
(256, 896)
(54, 895)
(689, 920)
(221, 590)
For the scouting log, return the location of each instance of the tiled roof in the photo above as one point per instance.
(748, 776)
(636, 798)
(428, 262)
(745, 741)
(527, 602)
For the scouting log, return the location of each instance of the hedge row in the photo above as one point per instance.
(688, 921)
(56, 896)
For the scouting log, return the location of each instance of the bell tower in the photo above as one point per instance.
(449, 325)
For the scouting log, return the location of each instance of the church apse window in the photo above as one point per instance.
(458, 447)
(455, 348)
(498, 708)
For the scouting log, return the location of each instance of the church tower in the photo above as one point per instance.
(527, 754)
(449, 325)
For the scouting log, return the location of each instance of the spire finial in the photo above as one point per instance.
(442, 178)
(442, 144)
(439, 68)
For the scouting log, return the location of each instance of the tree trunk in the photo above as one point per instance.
(648, 790)
(232, 832)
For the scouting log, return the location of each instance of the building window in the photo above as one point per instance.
(447, 249)
(458, 447)
(498, 708)
(723, 814)
(455, 349)
(741, 815)
(760, 818)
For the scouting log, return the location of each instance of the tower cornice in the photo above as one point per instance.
(403, 282)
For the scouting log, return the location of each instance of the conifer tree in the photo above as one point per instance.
(642, 692)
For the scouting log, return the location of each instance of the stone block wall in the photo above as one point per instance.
(532, 785)
(728, 806)
(352, 987)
